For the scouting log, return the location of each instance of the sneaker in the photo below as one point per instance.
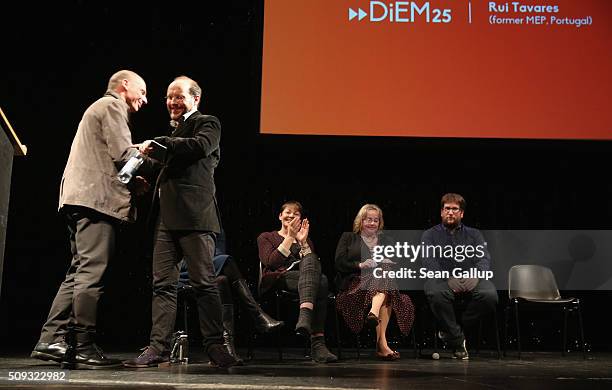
(461, 352)
(149, 358)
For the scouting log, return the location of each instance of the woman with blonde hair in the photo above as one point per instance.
(361, 295)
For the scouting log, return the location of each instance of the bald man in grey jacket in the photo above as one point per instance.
(94, 202)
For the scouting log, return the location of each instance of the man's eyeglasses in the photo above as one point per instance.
(451, 209)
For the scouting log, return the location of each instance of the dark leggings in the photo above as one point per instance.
(311, 286)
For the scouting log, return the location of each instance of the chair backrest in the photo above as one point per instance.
(532, 282)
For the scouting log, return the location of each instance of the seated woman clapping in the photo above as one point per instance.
(289, 262)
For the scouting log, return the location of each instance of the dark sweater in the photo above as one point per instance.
(463, 235)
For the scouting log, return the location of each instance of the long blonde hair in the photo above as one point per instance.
(362, 214)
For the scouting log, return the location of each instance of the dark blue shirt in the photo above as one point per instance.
(463, 248)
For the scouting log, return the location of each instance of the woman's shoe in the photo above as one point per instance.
(372, 320)
(303, 327)
(388, 357)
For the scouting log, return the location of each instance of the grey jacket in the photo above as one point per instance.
(100, 147)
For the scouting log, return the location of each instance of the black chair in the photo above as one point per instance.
(280, 296)
(535, 286)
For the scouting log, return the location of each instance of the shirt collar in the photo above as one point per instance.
(447, 230)
(188, 114)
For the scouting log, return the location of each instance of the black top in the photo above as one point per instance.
(350, 251)
(186, 184)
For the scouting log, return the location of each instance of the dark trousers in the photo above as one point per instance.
(312, 286)
(441, 298)
(197, 248)
(92, 243)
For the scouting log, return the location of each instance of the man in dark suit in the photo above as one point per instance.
(187, 222)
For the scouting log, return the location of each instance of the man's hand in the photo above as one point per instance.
(468, 284)
(140, 185)
(145, 147)
(455, 285)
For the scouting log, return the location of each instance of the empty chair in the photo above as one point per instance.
(536, 285)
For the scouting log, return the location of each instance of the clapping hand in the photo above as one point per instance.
(302, 234)
(294, 227)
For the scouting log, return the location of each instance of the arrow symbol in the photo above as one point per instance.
(360, 14)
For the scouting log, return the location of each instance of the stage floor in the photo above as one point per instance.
(535, 371)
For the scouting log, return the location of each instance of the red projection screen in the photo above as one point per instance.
(445, 68)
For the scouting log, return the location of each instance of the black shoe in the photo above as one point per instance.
(319, 351)
(266, 324)
(89, 357)
(50, 351)
(303, 326)
(372, 321)
(263, 322)
(220, 357)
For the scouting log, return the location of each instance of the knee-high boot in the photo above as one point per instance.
(263, 322)
(228, 332)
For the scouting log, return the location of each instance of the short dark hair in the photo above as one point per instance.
(453, 198)
(295, 203)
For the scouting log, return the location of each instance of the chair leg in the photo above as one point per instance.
(338, 337)
(506, 311)
(564, 333)
(250, 345)
(479, 337)
(185, 315)
(278, 339)
(518, 329)
(414, 343)
(580, 327)
(497, 335)
(435, 336)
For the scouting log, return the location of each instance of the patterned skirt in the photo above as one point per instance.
(355, 302)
